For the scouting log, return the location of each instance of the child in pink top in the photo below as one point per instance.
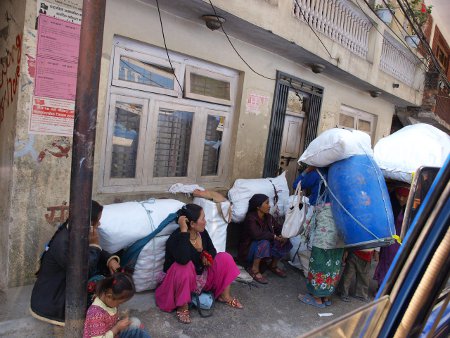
(102, 318)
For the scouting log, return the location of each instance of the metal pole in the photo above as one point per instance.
(82, 163)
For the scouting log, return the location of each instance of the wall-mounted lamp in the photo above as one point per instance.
(375, 93)
(213, 22)
(317, 68)
(395, 85)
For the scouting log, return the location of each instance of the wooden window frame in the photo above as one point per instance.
(124, 91)
(209, 74)
(358, 114)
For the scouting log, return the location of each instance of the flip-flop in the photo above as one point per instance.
(327, 303)
(308, 299)
(260, 279)
(183, 316)
(345, 299)
(278, 272)
(233, 302)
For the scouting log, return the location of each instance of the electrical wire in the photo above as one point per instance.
(312, 29)
(422, 38)
(232, 45)
(165, 46)
(400, 39)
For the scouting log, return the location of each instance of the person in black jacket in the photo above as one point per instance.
(193, 265)
(48, 297)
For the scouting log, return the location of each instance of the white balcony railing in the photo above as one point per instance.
(397, 60)
(340, 20)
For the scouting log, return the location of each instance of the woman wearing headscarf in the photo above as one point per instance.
(262, 239)
(327, 245)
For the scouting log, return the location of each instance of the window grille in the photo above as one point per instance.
(172, 143)
(125, 140)
(213, 144)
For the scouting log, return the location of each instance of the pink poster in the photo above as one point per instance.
(57, 58)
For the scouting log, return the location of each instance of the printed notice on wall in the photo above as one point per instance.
(52, 117)
(57, 58)
(70, 12)
(257, 103)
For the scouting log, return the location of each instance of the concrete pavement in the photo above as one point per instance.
(271, 310)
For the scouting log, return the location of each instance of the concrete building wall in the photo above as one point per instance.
(40, 180)
(11, 35)
(40, 173)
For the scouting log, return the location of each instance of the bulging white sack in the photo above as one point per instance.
(150, 263)
(122, 224)
(334, 145)
(244, 189)
(403, 152)
(216, 224)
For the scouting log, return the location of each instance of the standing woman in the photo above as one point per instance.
(262, 239)
(192, 264)
(327, 246)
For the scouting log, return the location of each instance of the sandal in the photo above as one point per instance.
(257, 277)
(308, 299)
(183, 316)
(234, 303)
(276, 270)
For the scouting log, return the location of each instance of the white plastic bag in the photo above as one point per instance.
(217, 217)
(403, 152)
(295, 216)
(334, 145)
(244, 189)
(122, 224)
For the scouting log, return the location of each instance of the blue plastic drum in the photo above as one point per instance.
(359, 187)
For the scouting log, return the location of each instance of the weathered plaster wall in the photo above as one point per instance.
(193, 38)
(11, 34)
(41, 173)
(41, 180)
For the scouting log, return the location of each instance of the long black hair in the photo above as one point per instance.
(120, 283)
(96, 210)
(191, 211)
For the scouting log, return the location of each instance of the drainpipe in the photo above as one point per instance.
(82, 163)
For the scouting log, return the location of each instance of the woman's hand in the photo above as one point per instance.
(281, 239)
(113, 265)
(121, 325)
(205, 262)
(183, 223)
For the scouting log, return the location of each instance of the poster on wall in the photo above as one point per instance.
(51, 117)
(57, 58)
(60, 9)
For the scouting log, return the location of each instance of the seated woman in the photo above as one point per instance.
(193, 265)
(48, 297)
(262, 239)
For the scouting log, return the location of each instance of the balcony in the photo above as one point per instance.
(360, 49)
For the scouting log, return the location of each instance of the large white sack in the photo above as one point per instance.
(216, 225)
(403, 152)
(334, 145)
(122, 224)
(150, 262)
(244, 189)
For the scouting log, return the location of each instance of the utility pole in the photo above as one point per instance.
(83, 163)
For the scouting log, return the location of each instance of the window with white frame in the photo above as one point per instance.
(158, 134)
(353, 118)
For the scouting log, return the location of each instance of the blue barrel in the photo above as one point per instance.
(358, 184)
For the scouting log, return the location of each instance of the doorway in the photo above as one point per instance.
(294, 122)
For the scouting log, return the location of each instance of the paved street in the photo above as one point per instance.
(271, 310)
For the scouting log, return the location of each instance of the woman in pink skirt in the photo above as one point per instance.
(193, 265)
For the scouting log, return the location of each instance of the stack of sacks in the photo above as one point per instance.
(123, 224)
(217, 219)
(244, 189)
(334, 145)
(400, 154)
